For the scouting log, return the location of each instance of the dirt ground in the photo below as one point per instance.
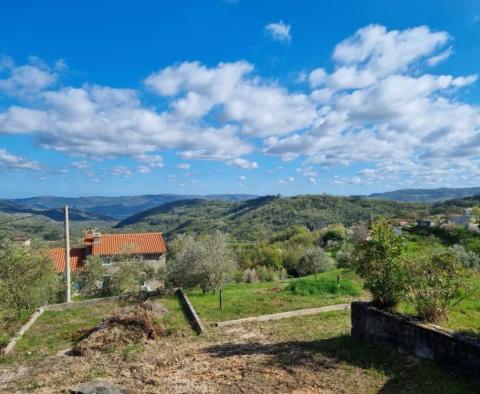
(269, 357)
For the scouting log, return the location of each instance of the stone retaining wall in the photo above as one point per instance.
(445, 347)
(191, 312)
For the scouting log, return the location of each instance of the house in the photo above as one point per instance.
(150, 246)
(460, 220)
(426, 223)
(77, 258)
(22, 241)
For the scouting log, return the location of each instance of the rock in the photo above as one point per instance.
(99, 386)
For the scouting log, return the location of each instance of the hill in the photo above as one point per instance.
(56, 214)
(115, 207)
(257, 218)
(427, 195)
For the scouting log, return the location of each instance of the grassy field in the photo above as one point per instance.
(54, 330)
(251, 299)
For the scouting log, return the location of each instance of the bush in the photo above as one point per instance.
(438, 280)
(91, 277)
(467, 258)
(378, 261)
(250, 275)
(344, 256)
(306, 287)
(314, 261)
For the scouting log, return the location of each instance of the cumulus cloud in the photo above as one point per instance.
(380, 107)
(26, 80)
(279, 31)
(286, 180)
(242, 163)
(11, 161)
(122, 171)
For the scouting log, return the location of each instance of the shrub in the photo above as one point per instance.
(265, 274)
(344, 256)
(250, 275)
(378, 261)
(306, 287)
(469, 259)
(438, 280)
(91, 277)
(314, 261)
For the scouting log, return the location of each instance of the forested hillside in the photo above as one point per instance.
(257, 218)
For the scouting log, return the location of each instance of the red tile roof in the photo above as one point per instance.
(77, 257)
(139, 243)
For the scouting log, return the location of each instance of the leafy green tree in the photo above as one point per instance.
(128, 276)
(92, 276)
(475, 212)
(438, 280)
(27, 277)
(378, 261)
(314, 261)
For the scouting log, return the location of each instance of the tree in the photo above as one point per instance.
(92, 276)
(184, 264)
(475, 212)
(27, 277)
(438, 280)
(207, 262)
(379, 262)
(218, 266)
(313, 261)
(128, 276)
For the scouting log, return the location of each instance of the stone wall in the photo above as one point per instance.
(445, 347)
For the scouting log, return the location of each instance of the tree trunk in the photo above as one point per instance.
(220, 298)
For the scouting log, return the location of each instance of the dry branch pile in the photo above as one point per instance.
(131, 326)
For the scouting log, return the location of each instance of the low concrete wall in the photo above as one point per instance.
(191, 312)
(13, 341)
(445, 347)
(125, 298)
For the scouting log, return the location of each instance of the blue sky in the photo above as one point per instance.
(261, 97)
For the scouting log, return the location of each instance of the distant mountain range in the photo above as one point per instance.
(102, 208)
(427, 195)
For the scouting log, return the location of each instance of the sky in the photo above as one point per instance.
(238, 96)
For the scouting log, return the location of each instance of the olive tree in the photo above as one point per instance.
(206, 262)
(314, 261)
(28, 278)
(91, 277)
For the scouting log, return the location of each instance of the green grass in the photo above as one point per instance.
(13, 325)
(251, 299)
(55, 330)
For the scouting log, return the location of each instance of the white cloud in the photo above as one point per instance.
(242, 178)
(242, 163)
(377, 107)
(11, 161)
(286, 180)
(279, 31)
(81, 165)
(183, 166)
(25, 80)
(122, 171)
(150, 161)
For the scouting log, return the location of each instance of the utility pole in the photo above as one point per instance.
(67, 257)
